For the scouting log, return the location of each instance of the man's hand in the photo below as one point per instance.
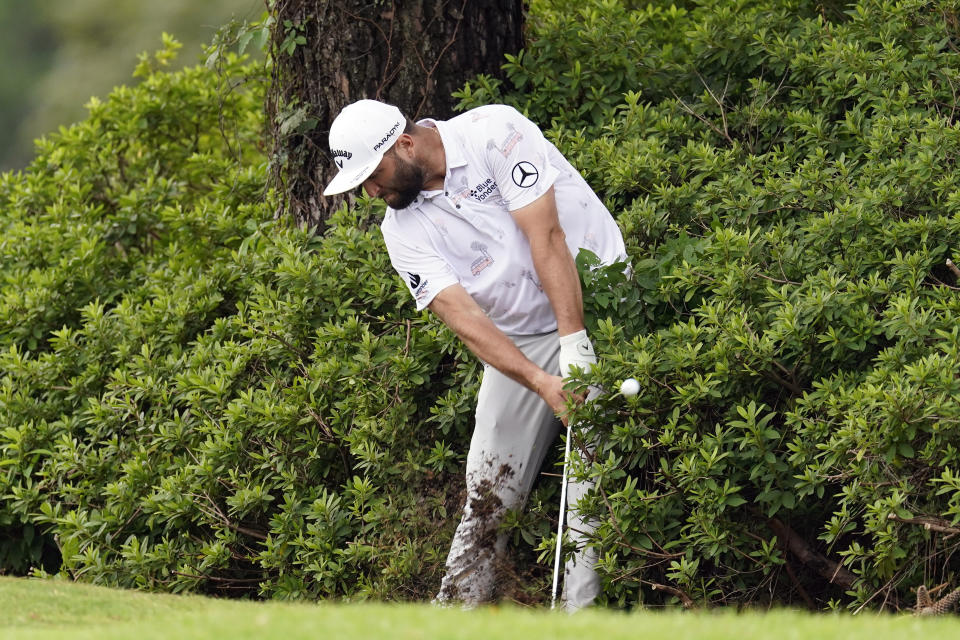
(576, 350)
(550, 388)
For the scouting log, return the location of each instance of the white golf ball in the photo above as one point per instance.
(629, 387)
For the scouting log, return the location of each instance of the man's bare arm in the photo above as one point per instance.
(459, 311)
(555, 266)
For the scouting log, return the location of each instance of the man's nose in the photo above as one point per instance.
(372, 188)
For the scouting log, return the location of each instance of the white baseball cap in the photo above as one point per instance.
(359, 136)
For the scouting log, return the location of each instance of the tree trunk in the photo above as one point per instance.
(329, 53)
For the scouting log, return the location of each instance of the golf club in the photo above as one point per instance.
(563, 509)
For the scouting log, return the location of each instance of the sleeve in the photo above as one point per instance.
(424, 271)
(518, 156)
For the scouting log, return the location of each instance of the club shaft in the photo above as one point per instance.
(563, 511)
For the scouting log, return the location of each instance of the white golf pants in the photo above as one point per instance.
(514, 430)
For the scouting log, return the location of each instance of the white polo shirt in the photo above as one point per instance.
(497, 161)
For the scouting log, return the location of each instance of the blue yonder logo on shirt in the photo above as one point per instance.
(483, 190)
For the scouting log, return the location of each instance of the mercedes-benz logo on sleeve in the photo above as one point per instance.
(525, 174)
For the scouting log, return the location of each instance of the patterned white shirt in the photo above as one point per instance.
(497, 162)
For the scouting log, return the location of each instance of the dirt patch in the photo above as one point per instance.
(487, 510)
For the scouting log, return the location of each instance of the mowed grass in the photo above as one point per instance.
(57, 609)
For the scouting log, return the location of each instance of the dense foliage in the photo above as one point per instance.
(786, 177)
(61, 52)
(194, 397)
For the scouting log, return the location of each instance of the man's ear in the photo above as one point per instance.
(404, 146)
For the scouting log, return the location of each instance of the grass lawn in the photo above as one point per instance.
(64, 610)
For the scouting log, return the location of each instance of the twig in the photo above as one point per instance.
(943, 284)
(792, 387)
(719, 101)
(953, 268)
(778, 281)
(687, 601)
(218, 515)
(215, 578)
(302, 355)
(701, 118)
(331, 437)
(885, 590)
(930, 524)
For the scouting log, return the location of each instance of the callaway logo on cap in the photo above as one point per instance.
(360, 135)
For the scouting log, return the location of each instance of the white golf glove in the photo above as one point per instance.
(576, 350)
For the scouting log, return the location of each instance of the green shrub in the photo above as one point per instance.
(194, 397)
(791, 321)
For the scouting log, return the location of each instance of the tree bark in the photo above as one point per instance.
(329, 53)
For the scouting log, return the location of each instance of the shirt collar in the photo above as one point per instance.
(453, 153)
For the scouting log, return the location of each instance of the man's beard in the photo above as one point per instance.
(408, 181)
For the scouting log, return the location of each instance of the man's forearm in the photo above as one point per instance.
(464, 316)
(459, 311)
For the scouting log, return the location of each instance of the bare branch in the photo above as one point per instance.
(834, 572)
(928, 523)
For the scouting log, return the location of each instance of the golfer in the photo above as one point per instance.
(484, 219)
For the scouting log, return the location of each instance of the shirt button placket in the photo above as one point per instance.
(450, 200)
